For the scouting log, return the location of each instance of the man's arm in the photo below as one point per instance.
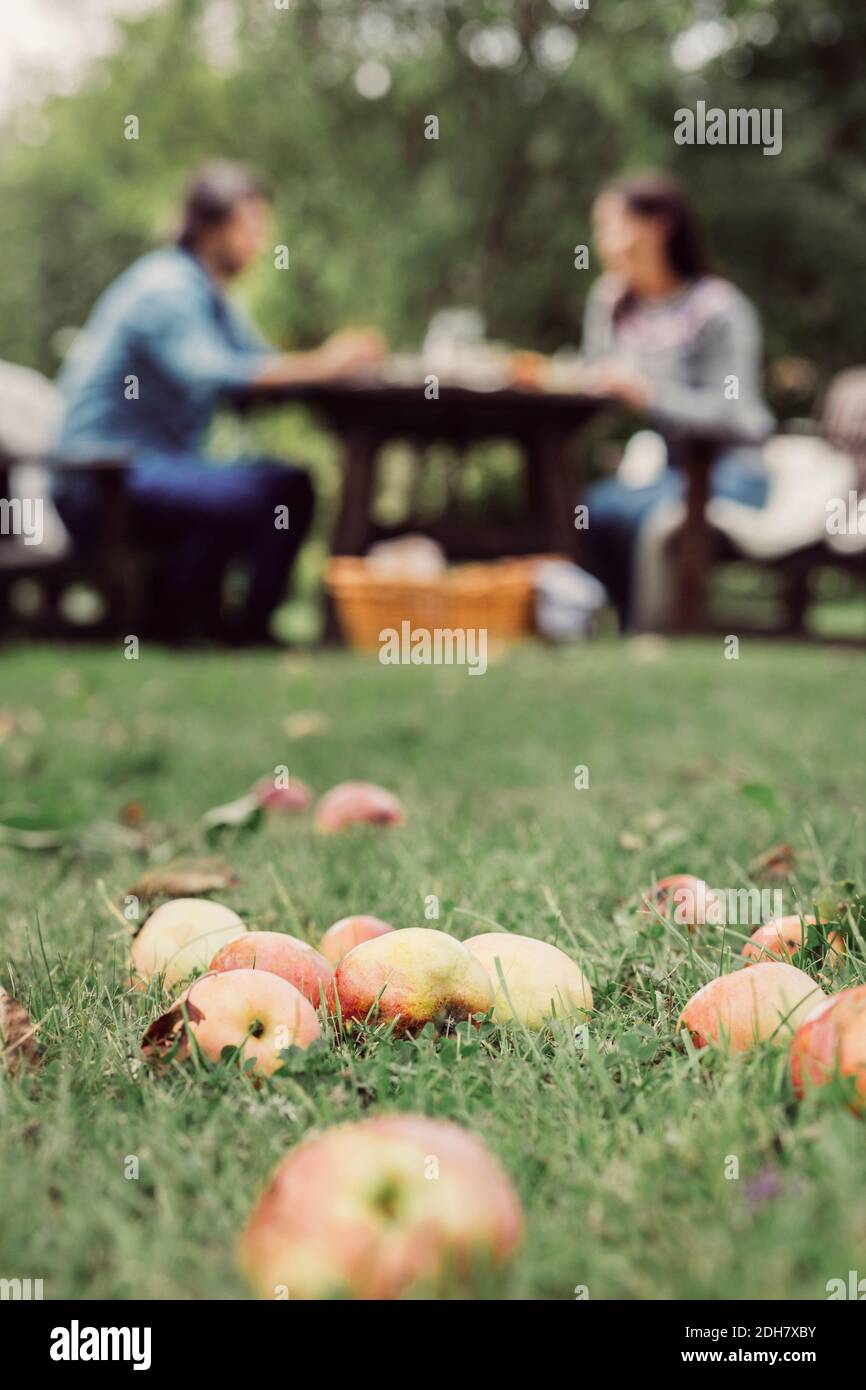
(342, 355)
(180, 338)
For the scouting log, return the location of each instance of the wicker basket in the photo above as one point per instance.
(496, 596)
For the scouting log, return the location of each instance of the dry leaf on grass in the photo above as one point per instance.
(630, 842)
(305, 724)
(777, 862)
(243, 814)
(18, 1046)
(167, 1036)
(185, 879)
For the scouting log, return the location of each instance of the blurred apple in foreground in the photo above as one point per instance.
(783, 937)
(282, 955)
(358, 803)
(394, 1205)
(349, 932)
(181, 937)
(687, 899)
(832, 1042)
(540, 980)
(761, 1003)
(294, 796)
(250, 1009)
(415, 976)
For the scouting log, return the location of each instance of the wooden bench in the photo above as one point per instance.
(111, 568)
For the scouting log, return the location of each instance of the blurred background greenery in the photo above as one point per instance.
(537, 102)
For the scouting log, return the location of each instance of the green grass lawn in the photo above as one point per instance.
(620, 1151)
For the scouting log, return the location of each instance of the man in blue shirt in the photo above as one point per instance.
(161, 346)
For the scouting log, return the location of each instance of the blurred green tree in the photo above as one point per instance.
(536, 102)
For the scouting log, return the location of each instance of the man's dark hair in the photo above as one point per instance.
(212, 195)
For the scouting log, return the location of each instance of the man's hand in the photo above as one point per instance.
(344, 354)
(349, 351)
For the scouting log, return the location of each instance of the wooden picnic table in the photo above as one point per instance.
(368, 415)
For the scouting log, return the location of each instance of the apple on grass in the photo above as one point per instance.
(782, 937)
(541, 981)
(389, 1206)
(248, 1009)
(282, 955)
(414, 976)
(349, 932)
(759, 1003)
(180, 938)
(689, 900)
(358, 803)
(831, 1043)
(277, 799)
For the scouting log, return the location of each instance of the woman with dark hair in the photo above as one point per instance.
(678, 344)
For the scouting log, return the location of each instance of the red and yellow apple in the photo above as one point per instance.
(782, 937)
(688, 899)
(277, 799)
(831, 1042)
(541, 981)
(358, 803)
(761, 1003)
(414, 976)
(248, 1009)
(180, 938)
(390, 1206)
(282, 955)
(349, 932)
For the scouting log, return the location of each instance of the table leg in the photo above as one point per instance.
(349, 537)
(694, 545)
(551, 491)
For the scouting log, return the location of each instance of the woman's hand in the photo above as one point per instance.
(625, 386)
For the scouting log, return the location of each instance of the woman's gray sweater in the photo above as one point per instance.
(699, 349)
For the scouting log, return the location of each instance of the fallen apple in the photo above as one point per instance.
(414, 976)
(394, 1205)
(282, 955)
(782, 937)
(688, 899)
(180, 938)
(761, 1003)
(349, 932)
(276, 798)
(358, 803)
(252, 1010)
(541, 981)
(831, 1043)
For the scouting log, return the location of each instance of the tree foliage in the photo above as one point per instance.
(384, 224)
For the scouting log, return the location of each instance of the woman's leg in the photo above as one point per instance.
(740, 476)
(616, 514)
